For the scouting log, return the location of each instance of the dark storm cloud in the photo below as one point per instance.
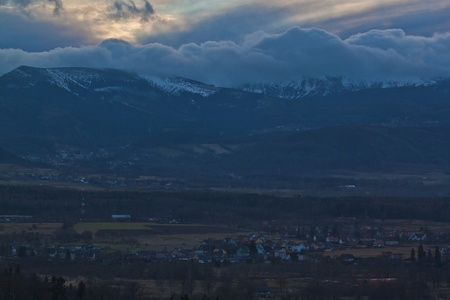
(58, 5)
(292, 55)
(236, 22)
(420, 22)
(17, 3)
(233, 24)
(126, 10)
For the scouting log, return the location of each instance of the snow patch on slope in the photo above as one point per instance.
(65, 78)
(178, 86)
(97, 80)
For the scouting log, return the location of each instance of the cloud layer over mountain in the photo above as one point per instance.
(24, 23)
(291, 55)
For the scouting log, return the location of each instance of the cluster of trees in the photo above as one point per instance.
(320, 278)
(427, 256)
(18, 286)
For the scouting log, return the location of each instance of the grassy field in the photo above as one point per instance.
(53, 184)
(96, 226)
(42, 228)
(408, 225)
(152, 228)
(262, 191)
(405, 250)
(152, 235)
(124, 236)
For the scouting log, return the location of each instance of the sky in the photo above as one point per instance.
(230, 42)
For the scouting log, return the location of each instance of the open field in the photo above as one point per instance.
(150, 228)
(153, 236)
(415, 225)
(53, 184)
(409, 225)
(159, 242)
(42, 228)
(261, 191)
(96, 226)
(404, 250)
(186, 241)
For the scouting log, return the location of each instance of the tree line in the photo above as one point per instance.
(242, 209)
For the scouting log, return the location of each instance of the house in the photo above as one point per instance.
(206, 248)
(8, 218)
(243, 251)
(244, 239)
(51, 250)
(162, 256)
(219, 253)
(343, 241)
(230, 240)
(352, 238)
(298, 248)
(426, 249)
(362, 245)
(368, 237)
(332, 239)
(278, 236)
(391, 241)
(204, 259)
(253, 237)
(418, 236)
(317, 246)
(177, 253)
(227, 248)
(269, 244)
(259, 240)
(438, 235)
(147, 255)
(90, 254)
(353, 244)
(260, 249)
(445, 250)
(378, 244)
(281, 253)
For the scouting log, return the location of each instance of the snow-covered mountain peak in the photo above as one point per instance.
(327, 86)
(91, 83)
(297, 89)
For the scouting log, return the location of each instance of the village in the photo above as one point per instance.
(99, 254)
(169, 245)
(293, 244)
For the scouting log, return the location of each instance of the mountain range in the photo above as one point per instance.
(112, 121)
